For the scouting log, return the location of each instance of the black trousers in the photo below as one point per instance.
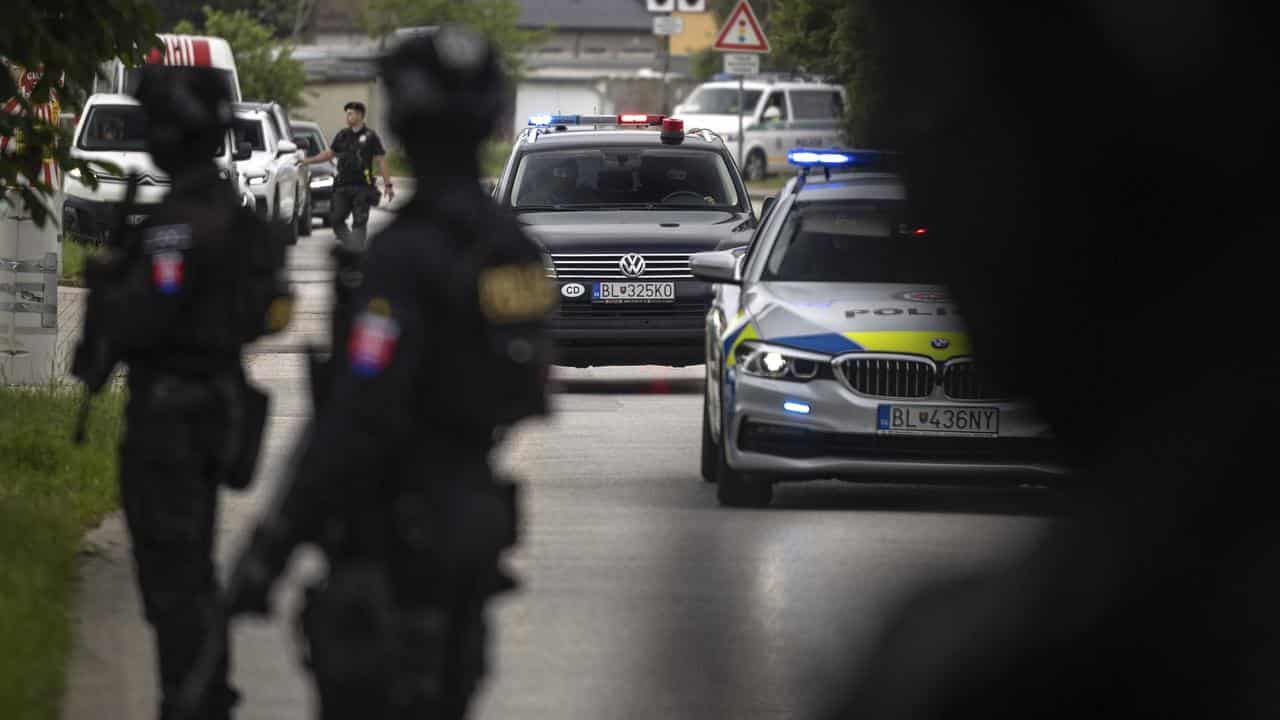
(168, 487)
(374, 657)
(351, 200)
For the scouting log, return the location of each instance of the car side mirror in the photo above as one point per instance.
(286, 147)
(772, 114)
(721, 266)
(767, 206)
(244, 151)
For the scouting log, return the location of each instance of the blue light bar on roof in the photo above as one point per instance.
(548, 119)
(831, 158)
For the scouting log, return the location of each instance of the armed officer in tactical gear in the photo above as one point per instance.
(446, 344)
(175, 301)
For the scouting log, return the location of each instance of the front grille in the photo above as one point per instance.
(606, 266)
(965, 381)
(888, 377)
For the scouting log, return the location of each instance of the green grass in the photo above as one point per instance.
(73, 257)
(51, 492)
(493, 157)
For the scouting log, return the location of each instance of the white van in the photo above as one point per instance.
(112, 129)
(777, 116)
(183, 50)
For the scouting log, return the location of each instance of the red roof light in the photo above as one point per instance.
(639, 119)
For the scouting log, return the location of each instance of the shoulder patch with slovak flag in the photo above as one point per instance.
(166, 244)
(374, 335)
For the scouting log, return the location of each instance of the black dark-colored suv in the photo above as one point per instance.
(618, 203)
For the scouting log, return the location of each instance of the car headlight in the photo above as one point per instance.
(549, 266)
(322, 182)
(75, 173)
(257, 179)
(779, 363)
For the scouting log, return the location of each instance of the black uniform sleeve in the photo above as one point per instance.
(337, 145)
(366, 428)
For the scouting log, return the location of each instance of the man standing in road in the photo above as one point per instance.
(354, 191)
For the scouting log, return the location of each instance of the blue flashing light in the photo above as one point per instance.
(545, 119)
(797, 407)
(814, 157)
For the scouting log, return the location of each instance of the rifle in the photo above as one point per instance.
(95, 357)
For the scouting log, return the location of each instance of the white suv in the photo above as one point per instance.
(271, 168)
(776, 117)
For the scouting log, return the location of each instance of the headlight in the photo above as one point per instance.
(258, 180)
(322, 182)
(75, 173)
(779, 363)
(549, 266)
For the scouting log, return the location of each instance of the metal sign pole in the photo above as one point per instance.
(741, 159)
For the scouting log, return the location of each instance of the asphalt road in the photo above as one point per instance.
(642, 598)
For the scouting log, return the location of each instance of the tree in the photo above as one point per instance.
(266, 66)
(495, 19)
(67, 39)
(283, 17)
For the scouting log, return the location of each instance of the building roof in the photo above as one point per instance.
(628, 15)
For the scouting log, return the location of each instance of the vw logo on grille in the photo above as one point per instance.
(940, 343)
(632, 265)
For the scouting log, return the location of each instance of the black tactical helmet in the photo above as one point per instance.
(445, 88)
(188, 110)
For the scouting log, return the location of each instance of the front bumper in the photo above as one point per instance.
(838, 438)
(321, 200)
(93, 221)
(588, 333)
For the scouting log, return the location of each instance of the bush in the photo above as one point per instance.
(51, 492)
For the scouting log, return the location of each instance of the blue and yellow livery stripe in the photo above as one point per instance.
(914, 342)
(910, 342)
(745, 330)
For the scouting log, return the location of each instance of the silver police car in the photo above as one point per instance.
(832, 352)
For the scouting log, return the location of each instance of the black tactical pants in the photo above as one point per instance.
(351, 200)
(387, 661)
(169, 490)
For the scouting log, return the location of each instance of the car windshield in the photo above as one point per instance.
(311, 141)
(848, 241)
(719, 101)
(115, 127)
(250, 131)
(624, 176)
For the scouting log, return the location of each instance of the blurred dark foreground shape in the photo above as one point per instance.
(1098, 181)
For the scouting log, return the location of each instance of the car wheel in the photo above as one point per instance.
(741, 490)
(304, 222)
(710, 448)
(733, 488)
(290, 225)
(755, 167)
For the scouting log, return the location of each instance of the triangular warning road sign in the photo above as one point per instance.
(742, 33)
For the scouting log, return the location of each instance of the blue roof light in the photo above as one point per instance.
(832, 157)
(543, 119)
